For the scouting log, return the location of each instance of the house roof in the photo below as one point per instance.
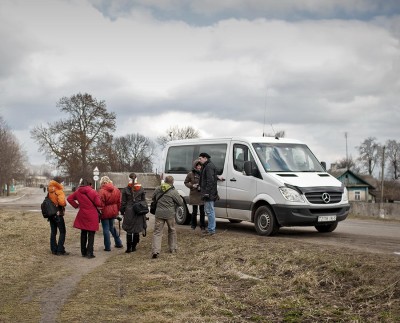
(364, 180)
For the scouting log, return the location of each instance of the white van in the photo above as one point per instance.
(268, 181)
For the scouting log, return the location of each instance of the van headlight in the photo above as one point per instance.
(345, 197)
(291, 195)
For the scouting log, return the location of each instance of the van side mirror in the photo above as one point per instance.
(323, 164)
(251, 169)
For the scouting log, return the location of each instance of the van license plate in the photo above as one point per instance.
(326, 218)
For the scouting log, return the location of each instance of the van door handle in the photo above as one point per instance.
(233, 179)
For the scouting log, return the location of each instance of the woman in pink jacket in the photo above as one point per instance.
(87, 220)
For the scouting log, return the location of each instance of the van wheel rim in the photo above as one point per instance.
(264, 221)
(180, 213)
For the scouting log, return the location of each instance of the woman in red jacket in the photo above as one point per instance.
(87, 220)
(111, 201)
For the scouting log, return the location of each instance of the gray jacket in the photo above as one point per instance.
(167, 204)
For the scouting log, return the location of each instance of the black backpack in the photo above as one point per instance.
(49, 209)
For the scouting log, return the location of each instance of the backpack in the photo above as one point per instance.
(49, 209)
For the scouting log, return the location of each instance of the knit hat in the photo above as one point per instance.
(205, 155)
(58, 179)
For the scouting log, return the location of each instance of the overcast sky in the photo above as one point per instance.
(315, 69)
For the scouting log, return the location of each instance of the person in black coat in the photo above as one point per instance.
(208, 190)
(132, 223)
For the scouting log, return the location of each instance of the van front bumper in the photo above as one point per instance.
(307, 216)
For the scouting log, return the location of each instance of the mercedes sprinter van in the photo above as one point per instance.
(271, 182)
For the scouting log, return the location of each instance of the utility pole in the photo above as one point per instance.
(381, 210)
(347, 154)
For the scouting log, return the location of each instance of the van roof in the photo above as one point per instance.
(235, 138)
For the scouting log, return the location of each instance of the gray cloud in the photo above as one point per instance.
(314, 78)
(204, 12)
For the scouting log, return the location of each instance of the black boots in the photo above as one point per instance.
(129, 237)
(132, 239)
(135, 241)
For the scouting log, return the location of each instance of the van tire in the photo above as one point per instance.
(182, 215)
(326, 227)
(265, 222)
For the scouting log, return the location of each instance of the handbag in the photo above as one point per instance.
(98, 211)
(153, 204)
(139, 208)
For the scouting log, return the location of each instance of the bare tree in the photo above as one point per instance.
(393, 156)
(176, 133)
(347, 163)
(369, 154)
(12, 157)
(75, 143)
(132, 153)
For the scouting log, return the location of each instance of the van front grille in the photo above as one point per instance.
(324, 197)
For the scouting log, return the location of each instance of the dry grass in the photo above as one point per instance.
(229, 277)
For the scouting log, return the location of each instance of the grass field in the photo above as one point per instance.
(228, 277)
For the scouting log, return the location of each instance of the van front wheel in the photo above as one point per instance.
(326, 227)
(265, 222)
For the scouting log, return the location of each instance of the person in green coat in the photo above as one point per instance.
(168, 199)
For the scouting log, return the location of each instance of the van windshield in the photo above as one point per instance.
(287, 158)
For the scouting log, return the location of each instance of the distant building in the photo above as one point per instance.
(36, 181)
(360, 187)
(149, 181)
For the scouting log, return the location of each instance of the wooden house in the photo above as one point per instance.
(358, 187)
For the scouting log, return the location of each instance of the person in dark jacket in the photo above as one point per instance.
(57, 196)
(133, 224)
(192, 182)
(168, 199)
(208, 189)
(111, 202)
(87, 220)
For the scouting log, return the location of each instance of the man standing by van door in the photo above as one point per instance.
(208, 189)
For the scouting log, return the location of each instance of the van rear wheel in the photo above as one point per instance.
(182, 215)
(265, 222)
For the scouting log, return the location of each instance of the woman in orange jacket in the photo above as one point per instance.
(57, 196)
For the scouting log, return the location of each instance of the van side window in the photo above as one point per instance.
(217, 153)
(180, 158)
(241, 154)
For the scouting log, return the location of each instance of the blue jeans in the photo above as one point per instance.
(210, 212)
(108, 226)
(57, 223)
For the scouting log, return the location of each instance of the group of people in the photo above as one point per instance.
(105, 205)
(202, 183)
(95, 207)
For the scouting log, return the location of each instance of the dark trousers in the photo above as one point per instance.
(194, 216)
(57, 223)
(87, 242)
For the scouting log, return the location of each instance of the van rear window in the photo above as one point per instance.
(180, 158)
